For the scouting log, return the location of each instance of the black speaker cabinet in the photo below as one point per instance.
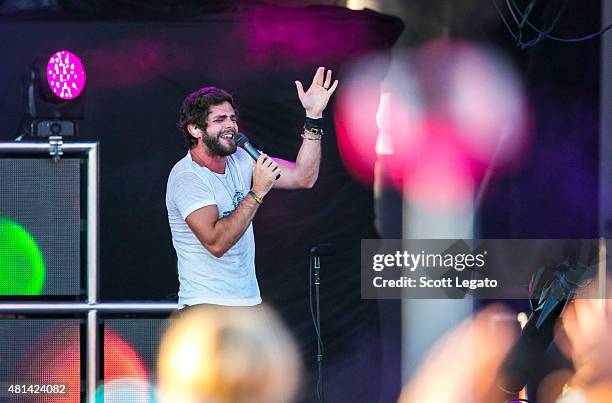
(48, 219)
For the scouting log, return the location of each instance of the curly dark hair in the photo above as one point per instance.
(196, 107)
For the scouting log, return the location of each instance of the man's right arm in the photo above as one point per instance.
(218, 235)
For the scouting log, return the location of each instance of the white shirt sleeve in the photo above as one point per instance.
(191, 192)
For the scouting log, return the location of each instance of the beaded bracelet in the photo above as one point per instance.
(310, 134)
(258, 199)
(311, 138)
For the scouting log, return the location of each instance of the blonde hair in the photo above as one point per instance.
(215, 354)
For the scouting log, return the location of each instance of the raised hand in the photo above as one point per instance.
(465, 361)
(315, 99)
(588, 324)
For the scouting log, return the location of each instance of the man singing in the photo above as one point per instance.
(214, 192)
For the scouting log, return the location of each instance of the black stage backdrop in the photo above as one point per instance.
(555, 193)
(138, 74)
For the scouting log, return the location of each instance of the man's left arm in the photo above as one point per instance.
(304, 171)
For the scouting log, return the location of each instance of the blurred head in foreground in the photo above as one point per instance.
(214, 354)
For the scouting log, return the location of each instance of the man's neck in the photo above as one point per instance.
(201, 156)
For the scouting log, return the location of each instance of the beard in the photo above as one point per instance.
(217, 148)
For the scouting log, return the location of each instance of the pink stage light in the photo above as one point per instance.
(53, 357)
(65, 75)
(126, 378)
(121, 359)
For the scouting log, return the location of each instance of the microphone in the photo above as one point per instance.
(550, 294)
(324, 249)
(521, 362)
(243, 142)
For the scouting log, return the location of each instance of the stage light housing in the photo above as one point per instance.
(54, 95)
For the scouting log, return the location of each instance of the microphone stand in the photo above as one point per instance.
(317, 282)
(315, 265)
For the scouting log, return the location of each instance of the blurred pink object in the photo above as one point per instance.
(448, 113)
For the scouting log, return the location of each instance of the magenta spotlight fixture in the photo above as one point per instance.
(54, 95)
(65, 75)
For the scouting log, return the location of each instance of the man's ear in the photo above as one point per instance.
(193, 129)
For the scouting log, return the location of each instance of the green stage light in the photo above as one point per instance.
(22, 268)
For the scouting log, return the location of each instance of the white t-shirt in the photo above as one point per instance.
(204, 278)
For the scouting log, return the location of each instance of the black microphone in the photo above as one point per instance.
(551, 291)
(324, 249)
(521, 362)
(243, 142)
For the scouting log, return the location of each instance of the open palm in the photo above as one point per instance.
(315, 99)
